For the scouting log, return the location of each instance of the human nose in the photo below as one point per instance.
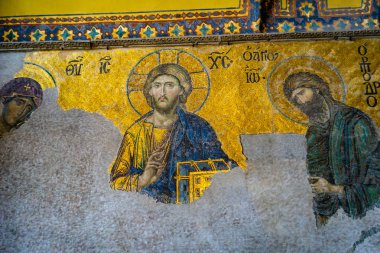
(300, 99)
(162, 90)
(21, 109)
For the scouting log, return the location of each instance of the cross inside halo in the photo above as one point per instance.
(27, 87)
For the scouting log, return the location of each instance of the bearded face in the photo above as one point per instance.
(308, 100)
(165, 93)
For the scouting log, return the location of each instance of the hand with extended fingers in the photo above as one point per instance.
(153, 169)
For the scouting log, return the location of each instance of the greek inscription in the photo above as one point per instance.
(362, 50)
(365, 68)
(252, 75)
(220, 59)
(75, 67)
(105, 62)
(370, 90)
(371, 101)
(259, 55)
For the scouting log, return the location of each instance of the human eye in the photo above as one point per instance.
(20, 101)
(169, 85)
(156, 85)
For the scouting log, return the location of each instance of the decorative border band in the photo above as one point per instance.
(182, 41)
(244, 19)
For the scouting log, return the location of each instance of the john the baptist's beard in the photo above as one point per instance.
(313, 107)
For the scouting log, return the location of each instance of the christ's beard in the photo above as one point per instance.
(168, 107)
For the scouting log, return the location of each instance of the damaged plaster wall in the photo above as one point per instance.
(55, 196)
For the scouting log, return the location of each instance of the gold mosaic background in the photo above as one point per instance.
(234, 106)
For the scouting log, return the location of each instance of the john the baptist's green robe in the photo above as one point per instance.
(346, 151)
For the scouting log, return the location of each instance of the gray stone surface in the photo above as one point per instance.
(10, 63)
(282, 199)
(55, 197)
